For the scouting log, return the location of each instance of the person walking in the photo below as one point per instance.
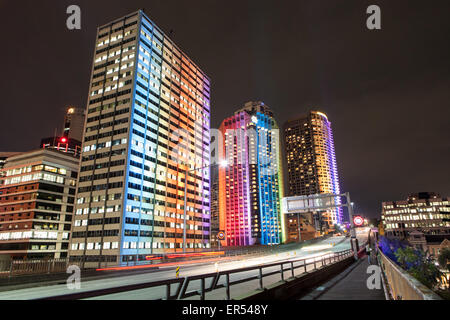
(368, 252)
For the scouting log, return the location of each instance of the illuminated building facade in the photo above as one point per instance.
(147, 124)
(250, 186)
(215, 225)
(311, 162)
(37, 196)
(426, 212)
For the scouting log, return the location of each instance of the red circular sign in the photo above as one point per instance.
(221, 235)
(358, 221)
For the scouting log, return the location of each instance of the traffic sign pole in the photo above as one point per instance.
(220, 237)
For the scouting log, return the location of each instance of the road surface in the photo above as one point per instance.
(327, 246)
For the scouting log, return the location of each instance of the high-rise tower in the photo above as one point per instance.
(147, 124)
(70, 139)
(311, 161)
(73, 123)
(250, 185)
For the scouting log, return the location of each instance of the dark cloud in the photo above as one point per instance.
(386, 92)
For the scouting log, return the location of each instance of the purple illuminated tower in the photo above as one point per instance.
(311, 160)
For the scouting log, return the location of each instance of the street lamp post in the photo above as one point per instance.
(184, 208)
(298, 226)
(222, 164)
(353, 239)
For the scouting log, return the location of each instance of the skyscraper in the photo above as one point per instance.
(215, 213)
(311, 161)
(147, 125)
(70, 139)
(250, 185)
(74, 123)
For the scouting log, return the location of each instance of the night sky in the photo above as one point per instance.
(386, 91)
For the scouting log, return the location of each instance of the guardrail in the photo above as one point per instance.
(183, 283)
(401, 285)
(47, 266)
(29, 267)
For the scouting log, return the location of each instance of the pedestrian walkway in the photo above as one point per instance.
(349, 285)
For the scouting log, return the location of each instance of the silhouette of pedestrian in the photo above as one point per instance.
(368, 251)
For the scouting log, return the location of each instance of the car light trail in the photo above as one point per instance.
(317, 247)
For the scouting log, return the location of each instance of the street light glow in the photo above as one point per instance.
(223, 163)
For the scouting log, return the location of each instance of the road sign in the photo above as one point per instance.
(221, 235)
(177, 271)
(358, 221)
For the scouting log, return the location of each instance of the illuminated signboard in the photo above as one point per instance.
(309, 203)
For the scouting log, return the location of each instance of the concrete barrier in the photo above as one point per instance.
(403, 286)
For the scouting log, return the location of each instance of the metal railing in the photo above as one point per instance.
(401, 285)
(5, 266)
(29, 267)
(183, 283)
(46, 266)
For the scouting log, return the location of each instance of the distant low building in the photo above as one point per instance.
(433, 244)
(426, 212)
(37, 198)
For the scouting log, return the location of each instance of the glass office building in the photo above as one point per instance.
(147, 127)
(250, 185)
(311, 161)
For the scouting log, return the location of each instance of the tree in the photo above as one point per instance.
(444, 259)
(419, 266)
(390, 246)
(406, 257)
(427, 273)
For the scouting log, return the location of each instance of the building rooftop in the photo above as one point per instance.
(436, 238)
(8, 154)
(255, 106)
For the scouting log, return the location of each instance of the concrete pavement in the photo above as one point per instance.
(350, 285)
